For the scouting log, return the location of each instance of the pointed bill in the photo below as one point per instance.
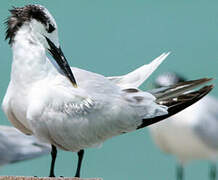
(61, 61)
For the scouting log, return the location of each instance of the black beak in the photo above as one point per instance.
(61, 61)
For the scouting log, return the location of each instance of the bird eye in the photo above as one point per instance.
(51, 28)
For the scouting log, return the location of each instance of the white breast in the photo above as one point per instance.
(177, 136)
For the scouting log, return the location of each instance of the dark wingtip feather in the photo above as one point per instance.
(177, 89)
(183, 101)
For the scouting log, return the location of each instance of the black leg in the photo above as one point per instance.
(80, 158)
(53, 158)
(179, 172)
(213, 171)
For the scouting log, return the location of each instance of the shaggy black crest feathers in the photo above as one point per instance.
(21, 15)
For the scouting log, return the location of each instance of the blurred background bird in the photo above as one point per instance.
(16, 147)
(191, 134)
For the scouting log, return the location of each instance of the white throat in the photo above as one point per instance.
(30, 63)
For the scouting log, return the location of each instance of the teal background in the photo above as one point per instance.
(112, 37)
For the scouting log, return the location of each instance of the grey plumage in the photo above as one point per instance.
(15, 146)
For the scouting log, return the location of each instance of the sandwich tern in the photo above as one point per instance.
(16, 146)
(191, 134)
(72, 108)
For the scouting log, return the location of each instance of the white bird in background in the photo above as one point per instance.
(191, 134)
(16, 146)
(74, 111)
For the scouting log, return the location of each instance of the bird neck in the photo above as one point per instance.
(30, 63)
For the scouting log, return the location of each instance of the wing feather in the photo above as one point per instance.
(137, 77)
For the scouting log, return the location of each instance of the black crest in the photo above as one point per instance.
(21, 15)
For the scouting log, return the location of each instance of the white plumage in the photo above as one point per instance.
(191, 134)
(78, 110)
(74, 118)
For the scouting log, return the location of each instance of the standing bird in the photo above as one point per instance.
(71, 108)
(191, 134)
(16, 146)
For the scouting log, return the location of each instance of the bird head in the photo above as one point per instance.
(42, 28)
(168, 79)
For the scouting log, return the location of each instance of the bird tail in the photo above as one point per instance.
(177, 97)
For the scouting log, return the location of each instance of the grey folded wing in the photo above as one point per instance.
(15, 146)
